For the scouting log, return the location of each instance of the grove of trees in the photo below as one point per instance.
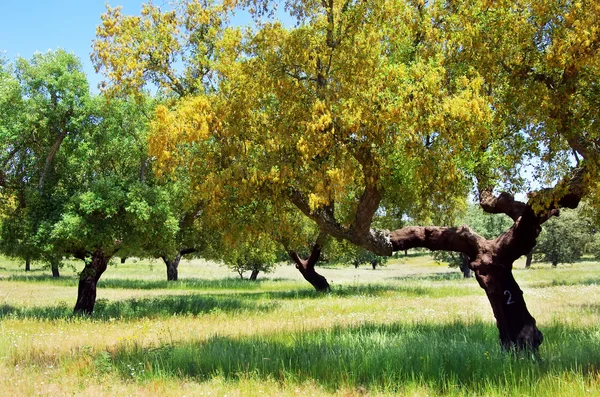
(343, 124)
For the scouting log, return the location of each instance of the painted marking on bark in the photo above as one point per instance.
(510, 301)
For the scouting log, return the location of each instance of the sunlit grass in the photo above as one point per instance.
(412, 327)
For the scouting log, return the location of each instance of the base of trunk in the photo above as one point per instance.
(254, 274)
(517, 327)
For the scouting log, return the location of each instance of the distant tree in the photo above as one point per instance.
(564, 238)
(255, 256)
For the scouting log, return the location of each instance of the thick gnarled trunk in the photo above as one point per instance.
(517, 327)
(88, 280)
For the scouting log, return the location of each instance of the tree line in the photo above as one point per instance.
(359, 117)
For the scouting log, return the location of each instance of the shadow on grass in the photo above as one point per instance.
(156, 307)
(370, 290)
(441, 276)
(445, 357)
(130, 283)
(561, 283)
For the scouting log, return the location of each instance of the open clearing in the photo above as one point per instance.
(413, 327)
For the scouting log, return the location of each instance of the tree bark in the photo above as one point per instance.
(529, 259)
(27, 264)
(464, 266)
(254, 274)
(88, 280)
(307, 267)
(123, 259)
(173, 264)
(54, 266)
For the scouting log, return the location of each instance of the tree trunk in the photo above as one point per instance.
(515, 324)
(54, 266)
(254, 274)
(405, 252)
(88, 279)
(173, 265)
(307, 268)
(27, 264)
(123, 259)
(374, 265)
(529, 259)
(464, 266)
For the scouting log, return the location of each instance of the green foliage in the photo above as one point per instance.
(256, 255)
(564, 238)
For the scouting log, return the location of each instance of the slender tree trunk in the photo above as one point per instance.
(54, 263)
(405, 252)
(88, 280)
(464, 266)
(254, 274)
(27, 264)
(374, 265)
(123, 259)
(307, 268)
(529, 259)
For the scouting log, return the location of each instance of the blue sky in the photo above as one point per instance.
(28, 26)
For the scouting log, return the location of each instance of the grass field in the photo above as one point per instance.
(411, 328)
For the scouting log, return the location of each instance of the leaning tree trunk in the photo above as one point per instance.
(492, 261)
(254, 274)
(307, 268)
(88, 280)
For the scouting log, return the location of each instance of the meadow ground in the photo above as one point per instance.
(412, 328)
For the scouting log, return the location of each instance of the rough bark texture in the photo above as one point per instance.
(307, 268)
(88, 280)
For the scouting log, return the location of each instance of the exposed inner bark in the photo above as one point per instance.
(88, 280)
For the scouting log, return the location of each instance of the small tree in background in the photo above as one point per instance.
(564, 238)
(255, 256)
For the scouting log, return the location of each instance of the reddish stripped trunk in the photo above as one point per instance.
(88, 280)
(307, 268)
(492, 262)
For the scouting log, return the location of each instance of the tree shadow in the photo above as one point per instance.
(444, 357)
(155, 307)
(440, 276)
(361, 290)
(562, 283)
(140, 284)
